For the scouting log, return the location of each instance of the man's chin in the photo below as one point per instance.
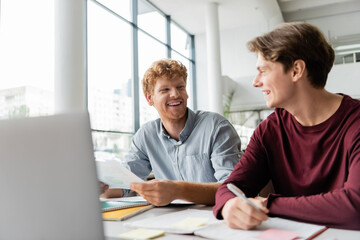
(178, 115)
(269, 105)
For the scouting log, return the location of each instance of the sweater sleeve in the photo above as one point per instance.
(250, 175)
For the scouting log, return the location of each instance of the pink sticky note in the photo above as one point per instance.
(276, 234)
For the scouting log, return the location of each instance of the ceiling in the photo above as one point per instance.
(190, 14)
(233, 13)
(303, 10)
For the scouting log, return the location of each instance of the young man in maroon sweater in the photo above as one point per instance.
(309, 147)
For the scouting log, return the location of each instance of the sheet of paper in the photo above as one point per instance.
(277, 234)
(140, 199)
(130, 199)
(166, 222)
(142, 233)
(191, 222)
(222, 231)
(115, 175)
(125, 199)
(178, 201)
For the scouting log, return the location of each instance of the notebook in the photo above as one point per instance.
(122, 214)
(48, 183)
(275, 226)
(107, 206)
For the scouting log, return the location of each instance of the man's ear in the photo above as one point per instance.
(149, 99)
(298, 69)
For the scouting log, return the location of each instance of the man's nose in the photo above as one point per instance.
(174, 92)
(256, 81)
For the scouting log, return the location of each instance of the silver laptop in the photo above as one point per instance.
(48, 184)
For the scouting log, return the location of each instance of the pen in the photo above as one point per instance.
(235, 190)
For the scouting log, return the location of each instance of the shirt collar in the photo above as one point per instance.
(189, 126)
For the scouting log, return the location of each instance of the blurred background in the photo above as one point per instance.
(53, 50)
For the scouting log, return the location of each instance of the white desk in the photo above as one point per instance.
(113, 228)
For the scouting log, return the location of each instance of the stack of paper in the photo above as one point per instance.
(203, 223)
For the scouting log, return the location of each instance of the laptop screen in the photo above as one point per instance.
(48, 183)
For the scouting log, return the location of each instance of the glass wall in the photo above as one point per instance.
(26, 58)
(124, 38)
(109, 71)
(149, 51)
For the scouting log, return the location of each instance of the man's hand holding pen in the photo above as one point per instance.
(244, 213)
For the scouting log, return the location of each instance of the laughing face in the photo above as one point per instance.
(169, 98)
(276, 84)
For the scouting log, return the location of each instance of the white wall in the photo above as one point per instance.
(345, 78)
(339, 25)
(236, 60)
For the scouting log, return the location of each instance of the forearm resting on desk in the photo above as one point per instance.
(112, 193)
(198, 193)
(162, 192)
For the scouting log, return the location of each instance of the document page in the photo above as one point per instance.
(115, 175)
(182, 222)
(141, 199)
(222, 231)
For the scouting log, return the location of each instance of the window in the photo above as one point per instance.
(27, 58)
(149, 51)
(110, 100)
(121, 7)
(189, 83)
(180, 40)
(348, 52)
(152, 21)
(111, 146)
(245, 122)
(120, 49)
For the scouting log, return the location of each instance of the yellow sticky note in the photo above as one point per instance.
(142, 233)
(190, 222)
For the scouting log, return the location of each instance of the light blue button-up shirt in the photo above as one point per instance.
(207, 150)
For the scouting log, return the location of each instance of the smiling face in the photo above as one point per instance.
(169, 97)
(277, 86)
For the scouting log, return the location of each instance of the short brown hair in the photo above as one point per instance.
(293, 41)
(166, 68)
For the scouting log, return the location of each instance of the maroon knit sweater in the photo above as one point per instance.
(315, 170)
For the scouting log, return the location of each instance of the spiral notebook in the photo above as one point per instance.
(107, 206)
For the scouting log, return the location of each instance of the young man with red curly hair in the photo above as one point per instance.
(190, 153)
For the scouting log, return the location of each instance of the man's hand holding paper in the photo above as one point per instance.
(114, 178)
(159, 192)
(115, 175)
